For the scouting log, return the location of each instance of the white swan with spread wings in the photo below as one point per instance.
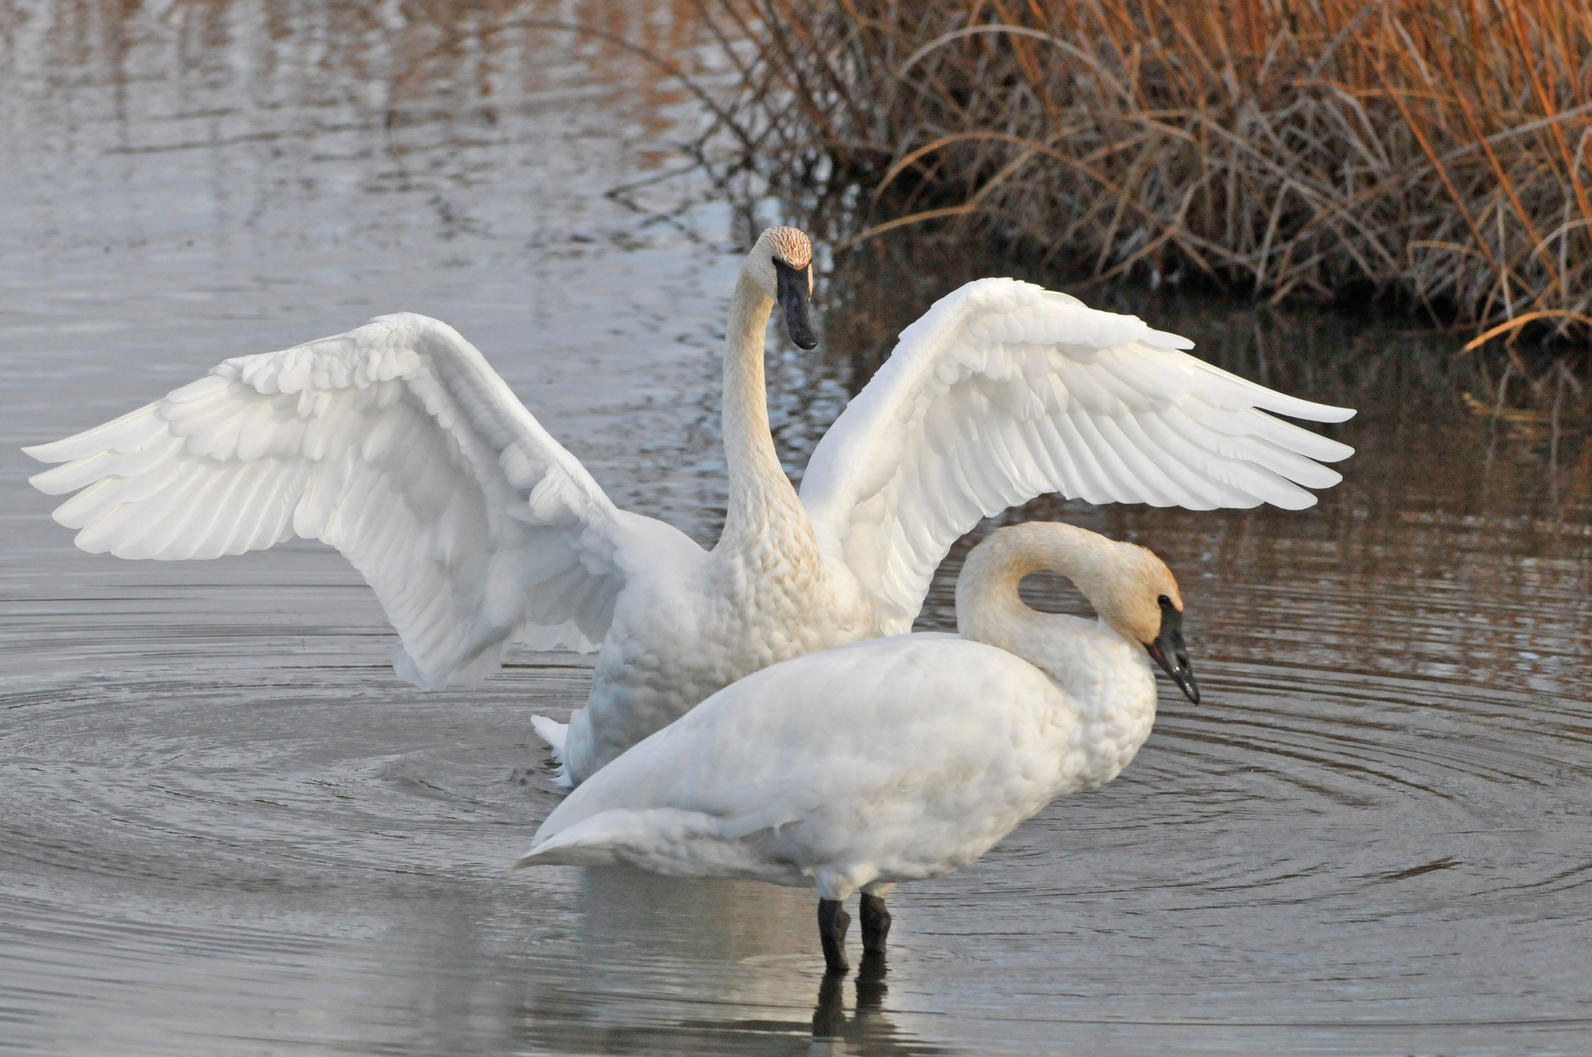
(397, 444)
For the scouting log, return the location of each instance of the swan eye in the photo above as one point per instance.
(1164, 602)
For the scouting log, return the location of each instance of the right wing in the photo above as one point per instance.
(397, 444)
(1003, 391)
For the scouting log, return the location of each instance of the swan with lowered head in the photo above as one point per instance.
(900, 758)
(397, 444)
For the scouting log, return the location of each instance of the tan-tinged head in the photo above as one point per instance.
(789, 245)
(1140, 598)
(781, 265)
(1128, 592)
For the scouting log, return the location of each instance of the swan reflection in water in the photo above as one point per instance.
(724, 967)
(829, 1013)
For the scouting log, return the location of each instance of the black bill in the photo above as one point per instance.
(794, 290)
(1171, 654)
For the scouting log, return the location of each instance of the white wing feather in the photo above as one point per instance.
(1003, 391)
(397, 444)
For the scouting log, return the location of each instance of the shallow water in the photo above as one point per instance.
(227, 828)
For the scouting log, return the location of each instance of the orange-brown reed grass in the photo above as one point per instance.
(1438, 151)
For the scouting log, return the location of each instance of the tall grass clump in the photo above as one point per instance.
(1433, 151)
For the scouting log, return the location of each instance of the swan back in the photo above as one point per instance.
(891, 759)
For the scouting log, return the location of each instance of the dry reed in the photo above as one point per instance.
(1438, 151)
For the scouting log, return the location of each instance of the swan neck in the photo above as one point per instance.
(761, 499)
(1106, 682)
(987, 604)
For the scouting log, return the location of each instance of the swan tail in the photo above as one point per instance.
(664, 840)
(553, 732)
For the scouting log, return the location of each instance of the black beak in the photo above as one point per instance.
(794, 289)
(1170, 653)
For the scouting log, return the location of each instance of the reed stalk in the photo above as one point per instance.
(1434, 152)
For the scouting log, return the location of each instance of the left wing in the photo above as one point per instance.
(398, 444)
(1003, 391)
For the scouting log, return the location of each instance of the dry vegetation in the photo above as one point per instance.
(1434, 151)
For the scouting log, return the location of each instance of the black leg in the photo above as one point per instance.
(832, 924)
(875, 923)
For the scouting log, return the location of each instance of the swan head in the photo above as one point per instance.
(1140, 599)
(781, 264)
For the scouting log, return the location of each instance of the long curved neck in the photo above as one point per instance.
(1106, 682)
(987, 606)
(762, 502)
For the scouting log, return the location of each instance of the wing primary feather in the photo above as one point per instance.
(1127, 443)
(79, 473)
(118, 434)
(1256, 395)
(137, 540)
(1297, 468)
(1165, 450)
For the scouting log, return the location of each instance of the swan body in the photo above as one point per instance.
(897, 758)
(399, 445)
(688, 627)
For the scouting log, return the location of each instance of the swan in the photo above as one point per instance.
(397, 444)
(900, 758)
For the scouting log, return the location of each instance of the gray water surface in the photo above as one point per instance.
(227, 828)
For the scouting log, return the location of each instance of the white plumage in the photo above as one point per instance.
(898, 758)
(1003, 391)
(397, 444)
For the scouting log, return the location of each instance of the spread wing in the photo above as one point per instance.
(1003, 391)
(397, 444)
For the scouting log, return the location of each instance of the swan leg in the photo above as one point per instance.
(832, 924)
(875, 923)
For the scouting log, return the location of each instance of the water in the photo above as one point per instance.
(227, 828)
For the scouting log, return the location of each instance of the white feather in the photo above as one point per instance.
(1055, 397)
(330, 439)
